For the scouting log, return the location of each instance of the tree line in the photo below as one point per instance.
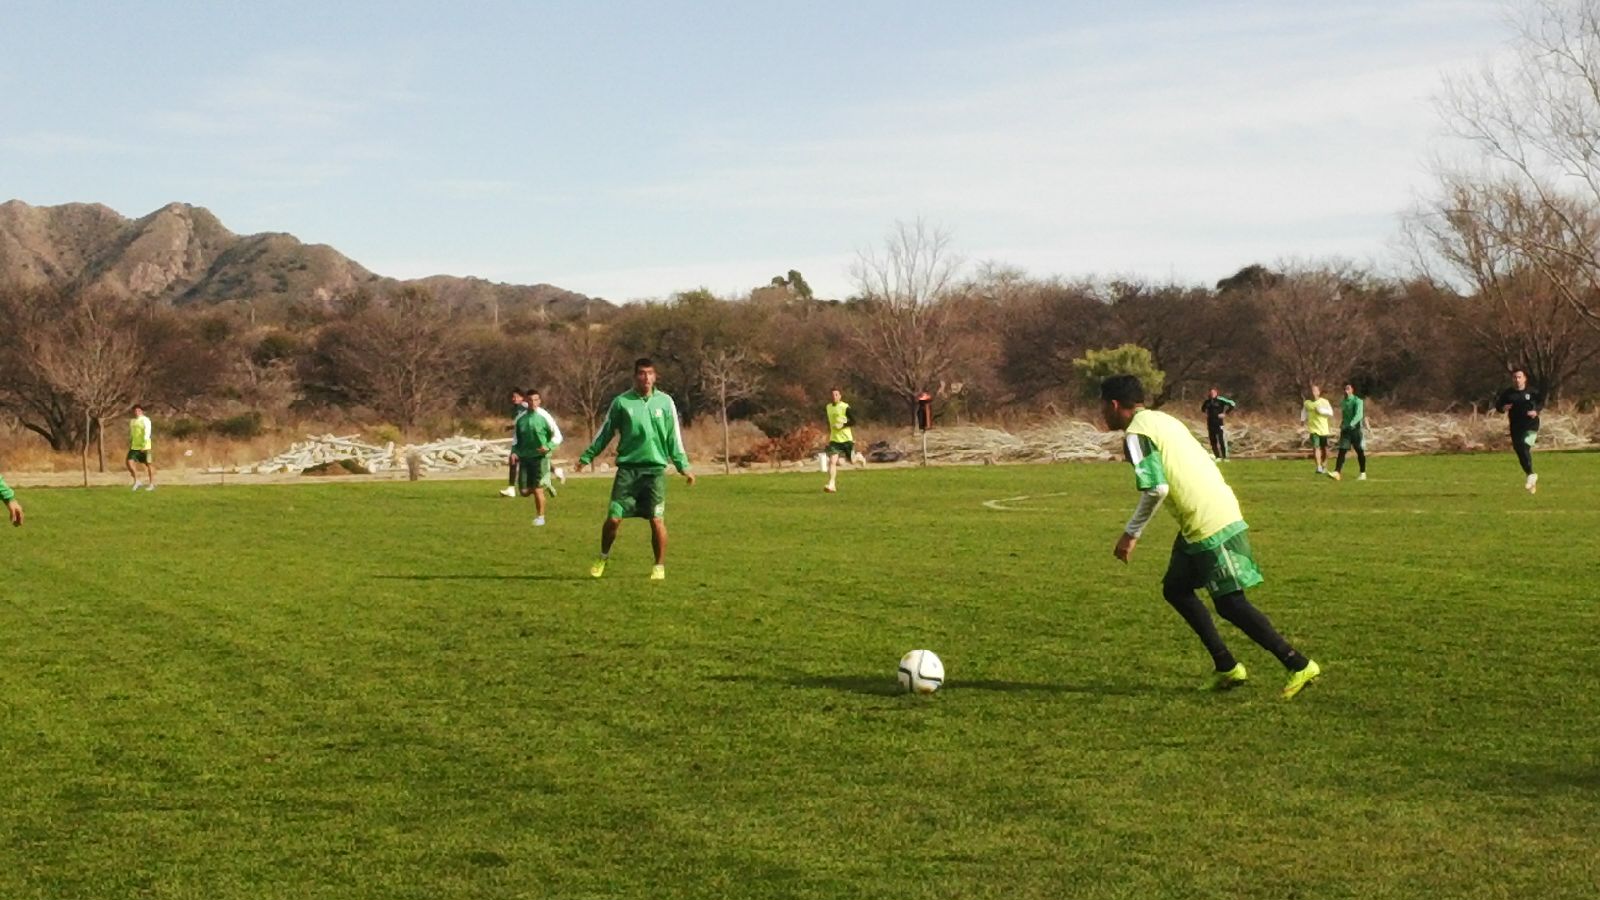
(989, 345)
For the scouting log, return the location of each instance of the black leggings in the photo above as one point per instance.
(1361, 459)
(1219, 440)
(1519, 443)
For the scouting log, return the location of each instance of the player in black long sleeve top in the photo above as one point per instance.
(1521, 404)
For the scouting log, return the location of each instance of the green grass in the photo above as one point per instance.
(405, 691)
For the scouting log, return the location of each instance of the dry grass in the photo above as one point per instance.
(1059, 439)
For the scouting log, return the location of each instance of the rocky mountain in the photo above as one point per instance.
(182, 254)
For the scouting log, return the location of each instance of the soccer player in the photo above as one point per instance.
(1216, 407)
(519, 406)
(12, 506)
(1212, 548)
(645, 422)
(1315, 413)
(1521, 406)
(1352, 426)
(532, 448)
(536, 407)
(139, 448)
(841, 440)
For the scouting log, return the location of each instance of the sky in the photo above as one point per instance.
(630, 150)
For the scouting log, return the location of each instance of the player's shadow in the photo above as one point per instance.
(480, 577)
(887, 686)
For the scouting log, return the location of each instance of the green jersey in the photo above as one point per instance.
(1163, 451)
(647, 430)
(532, 433)
(1352, 412)
(839, 423)
(139, 433)
(1316, 413)
(6, 493)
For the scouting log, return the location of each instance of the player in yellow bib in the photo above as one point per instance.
(1212, 548)
(841, 440)
(1316, 413)
(139, 449)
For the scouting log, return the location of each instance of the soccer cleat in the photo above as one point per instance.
(1362, 477)
(597, 568)
(561, 475)
(1335, 476)
(538, 520)
(658, 573)
(509, 491)
(137, 485)
(1532, 484)
(1321, 471)
(829, 489)
(1226, 681)
(150, 487)
(1300, 679)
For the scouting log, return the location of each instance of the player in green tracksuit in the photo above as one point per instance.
(645, 423)
(535, 438)
(9, 497)
(1352, 433)
(1212, 549)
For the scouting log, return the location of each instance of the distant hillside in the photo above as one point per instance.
(183, 255)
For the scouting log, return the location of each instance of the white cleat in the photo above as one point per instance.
(1362, 477)
(538, 521)
(829, 489)
(150, 487)
(137, 485)
(509, 491)
(561, 475)
(1532, 483)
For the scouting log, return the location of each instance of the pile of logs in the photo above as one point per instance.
(449, 454)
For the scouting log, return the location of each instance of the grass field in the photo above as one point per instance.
(404, 691)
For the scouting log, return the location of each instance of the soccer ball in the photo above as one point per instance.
(921, 672)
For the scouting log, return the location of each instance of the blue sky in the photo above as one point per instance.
(633, 149)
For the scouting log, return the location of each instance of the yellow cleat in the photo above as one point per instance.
(1300, 679)
(658, 573)
(598, 568)
(1226, 681)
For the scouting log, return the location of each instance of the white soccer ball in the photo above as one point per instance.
(921, 672)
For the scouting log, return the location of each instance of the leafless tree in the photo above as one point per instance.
(1314, 326)
(1535, 122)
(905, 340)
(731, 375)
(95, 358)
(402, 357)
(1517, 310)
(586, 370)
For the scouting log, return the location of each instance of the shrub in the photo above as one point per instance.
(183, 428)
(244, 425)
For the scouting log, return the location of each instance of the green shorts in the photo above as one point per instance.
(139, 456)
(1352, 439)
(1222, 568)
(1319, 441)
(532, 472)
(846, 449)
(638, 494)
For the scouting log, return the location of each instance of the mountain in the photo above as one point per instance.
(183, 255)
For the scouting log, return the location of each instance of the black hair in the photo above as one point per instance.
(1516, 369)
(1125, 389)
(643, 362)
(532, 392)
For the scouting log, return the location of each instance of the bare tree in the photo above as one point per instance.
(585, 369)
(905, 340)
(731, 375)
(1535, 122)
(402, 357)
(1314, 326)
(1519, 310)
(95, 358)
(32, 316)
